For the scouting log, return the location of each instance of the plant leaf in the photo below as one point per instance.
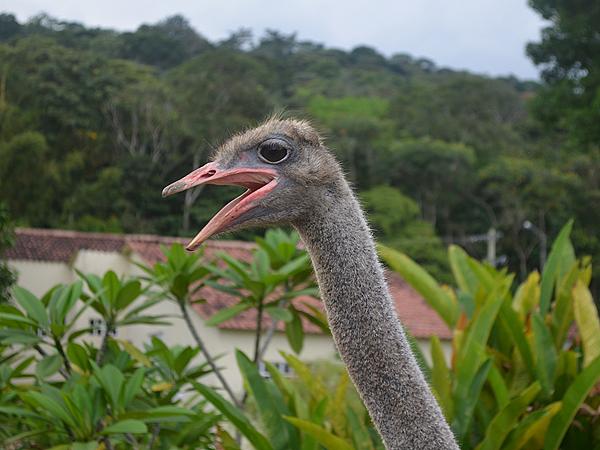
(126, 426)
(561, 257)
(423, 283)
(507, 418)
(571, 402)
(324, 437)
(235, 416)
(32, 305)
(586, 317)
(228, 313)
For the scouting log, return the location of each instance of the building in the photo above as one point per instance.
(43, 258)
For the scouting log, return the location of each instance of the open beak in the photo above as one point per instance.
(258, 181)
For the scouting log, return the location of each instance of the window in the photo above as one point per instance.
(98, 326)
(283, 367)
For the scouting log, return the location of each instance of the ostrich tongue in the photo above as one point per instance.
(258, 182)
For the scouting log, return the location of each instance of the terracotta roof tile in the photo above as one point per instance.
(62, 246)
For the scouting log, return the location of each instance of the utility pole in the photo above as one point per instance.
(492, 237)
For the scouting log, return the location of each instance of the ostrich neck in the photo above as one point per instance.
(366, 329)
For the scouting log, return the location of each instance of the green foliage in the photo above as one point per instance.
(397, 222)
(569, 59)
(278, 274)
(116, 116)
(516, 379)
(302, 413)
(7, 277)
(59, 389)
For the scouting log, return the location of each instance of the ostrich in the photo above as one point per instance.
(293, 179)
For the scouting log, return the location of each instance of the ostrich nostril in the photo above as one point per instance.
(209, 174)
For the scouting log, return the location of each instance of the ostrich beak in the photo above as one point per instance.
(258, 181)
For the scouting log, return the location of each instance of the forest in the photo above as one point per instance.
(95, 122)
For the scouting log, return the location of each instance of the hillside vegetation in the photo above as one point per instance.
(94, 122)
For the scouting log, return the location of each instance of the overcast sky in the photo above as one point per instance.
(484, 36)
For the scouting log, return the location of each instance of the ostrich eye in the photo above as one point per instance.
(273, 152)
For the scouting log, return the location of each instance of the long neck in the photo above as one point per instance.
(366, 329)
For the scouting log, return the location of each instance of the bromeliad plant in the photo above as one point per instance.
(303, 413)
(525, 363)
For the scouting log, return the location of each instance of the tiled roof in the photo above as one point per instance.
(62, 246)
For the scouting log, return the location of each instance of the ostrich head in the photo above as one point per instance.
(285, 168)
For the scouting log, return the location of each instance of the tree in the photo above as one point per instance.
(165, 44)
(519, 189)
(7, 277)
(25, 177)
(397, 223)
(9, 27)
(433, 172)
(569, 56)
(219, 91)
(479, 112)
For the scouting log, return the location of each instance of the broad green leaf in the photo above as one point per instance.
(111, 379)
(466, 398)
(126, 426)
(32, 305)
(516, 326)
(464, 276)
(441, 380)
(586, 317)
(133, 386)
(228, 313)
(498, 385)
(13, 410)
(571, 402)
(360, 435)
(235, 416)
(527, 296)
(7, 319)
(48, 366)
(337, 407)
(532, 429)
(560, 259)
(476, 336)
(13, 336)
(135, 352)
(226, 441)
(50, 406)
(294, 332)
(276, 428)
(127, 294)
(507, 418)
(444, 304)
(262, 263)
(278, 313)
(545, 366)
(562, 313)
(294, 266)
(316, 317)
(315, 384)
(112, 286)
(162, 414)
(324, 437)
(310, 292)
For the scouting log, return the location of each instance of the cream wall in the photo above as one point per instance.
(38, 277)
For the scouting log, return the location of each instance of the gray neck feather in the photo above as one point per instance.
(365, 327)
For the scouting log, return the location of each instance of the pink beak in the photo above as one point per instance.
(259, 181)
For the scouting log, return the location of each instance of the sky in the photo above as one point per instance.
(482, 36)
